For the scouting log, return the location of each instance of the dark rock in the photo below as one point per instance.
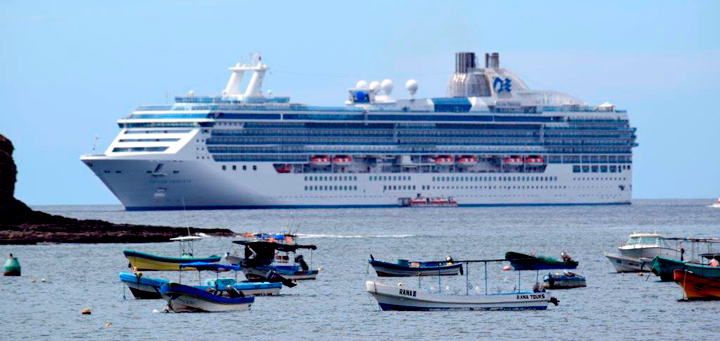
(19, 224)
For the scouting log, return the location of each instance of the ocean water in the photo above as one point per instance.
(336, 306)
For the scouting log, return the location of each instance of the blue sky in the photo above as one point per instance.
(69, 70)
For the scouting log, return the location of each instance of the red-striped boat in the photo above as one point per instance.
(697, 287)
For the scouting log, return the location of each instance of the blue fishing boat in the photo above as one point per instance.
(405, 268)
(185, 298)
(264, 260)
(143, 287)
(564, 280)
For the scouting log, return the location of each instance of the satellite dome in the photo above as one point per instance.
(375, 86)
(387, 86)
(412, 87)
(191, 93)
(362, 85)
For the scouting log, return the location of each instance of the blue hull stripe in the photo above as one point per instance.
(389, 307)
(232, 207)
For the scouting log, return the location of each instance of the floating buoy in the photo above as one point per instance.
(32, 280)
(86, 311)
(107, 324)
(42, 280)
(12, 266)
(506, 268)
(640, 274)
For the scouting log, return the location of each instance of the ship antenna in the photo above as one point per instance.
(95, 142)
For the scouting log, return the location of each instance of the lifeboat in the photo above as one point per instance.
(342, 160)
(534, 160)
(444, 160)
(467, 161)
(320, 161)
(282, 169)
(513, 161)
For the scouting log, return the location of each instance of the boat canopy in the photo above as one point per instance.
(204, 266)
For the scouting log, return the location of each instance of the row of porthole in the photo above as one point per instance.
(244, 167)
(493, 178)
(331, 188)
(332, 178)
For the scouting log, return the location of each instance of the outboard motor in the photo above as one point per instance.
(274, 277)
(233, 292)
(301, 260)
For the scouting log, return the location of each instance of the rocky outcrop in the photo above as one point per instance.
(19, 224)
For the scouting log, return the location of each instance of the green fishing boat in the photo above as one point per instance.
(664, 267)
(521, 261)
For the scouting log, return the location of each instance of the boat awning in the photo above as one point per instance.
(203, 266)
(275, 246)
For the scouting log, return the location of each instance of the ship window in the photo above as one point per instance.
(594, 169)
(235, 168)
(586, 169)
(603, 169)
(385, 188)
(613, 169)
(223, 167)
(254, 167)
(355, 188)
(244, 167)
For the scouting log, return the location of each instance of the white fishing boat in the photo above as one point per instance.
(400, 297)
(716, 204)
(637, 253)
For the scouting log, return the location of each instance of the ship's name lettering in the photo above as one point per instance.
(534, 297)
(406, 292)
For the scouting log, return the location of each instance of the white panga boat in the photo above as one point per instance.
(392, 297)
(640, 249)
(400, 297)
(716, 204)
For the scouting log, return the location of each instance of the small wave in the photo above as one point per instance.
(301, 235)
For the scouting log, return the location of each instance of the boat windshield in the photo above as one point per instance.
(651, 241)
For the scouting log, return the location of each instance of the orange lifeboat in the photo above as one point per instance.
(513, 161)
(342, 160)
(534, 160)
(467, 161)
(320, 161)
(444, 160)
(283, 169)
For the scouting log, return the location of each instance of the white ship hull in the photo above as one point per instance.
(204, 185)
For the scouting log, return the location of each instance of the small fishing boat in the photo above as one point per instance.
(185, 298)
(521, 261)
(263, 260)
(400, 297)
(716, 204)
(405, 268)
(697, 287)
(564, 280)
(665, 267)
(143, 287)
(391, 297)
(141, 261)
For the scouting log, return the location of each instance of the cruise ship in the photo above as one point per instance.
(489, 141)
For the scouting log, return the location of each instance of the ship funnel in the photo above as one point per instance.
(468, 81)
(464, 61)
(494, 60)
